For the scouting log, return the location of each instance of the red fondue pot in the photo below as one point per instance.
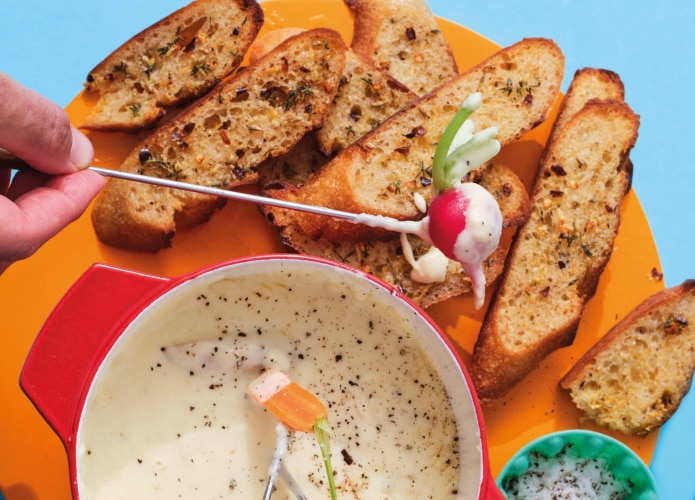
(86, 325)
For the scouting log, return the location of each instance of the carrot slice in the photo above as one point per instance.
(291, 404)
(298, 409)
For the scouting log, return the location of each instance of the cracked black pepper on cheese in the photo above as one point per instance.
(170, 415)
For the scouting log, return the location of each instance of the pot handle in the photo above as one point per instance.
(70, 343)
(492, 492)
(489, 488)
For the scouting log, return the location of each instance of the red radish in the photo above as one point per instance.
(465, 223)
(447, 220)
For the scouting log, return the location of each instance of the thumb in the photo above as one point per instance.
(39, 132)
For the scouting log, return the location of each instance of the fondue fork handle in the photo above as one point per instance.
(8, 160)
(224, 193)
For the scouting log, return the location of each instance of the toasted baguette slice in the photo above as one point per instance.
(403, 38)
(385, 258)
(382, 171)
(634, 378)
(172, 62)
(366, 97)
(220, 140)
(559, 254)
(587, 84)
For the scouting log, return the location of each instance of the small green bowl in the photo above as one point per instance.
(625, 465)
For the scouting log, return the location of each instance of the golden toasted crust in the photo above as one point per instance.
(587, 84)
(509, 191)
(262, 45)
(220, 140)
(559, 254)
(403, 38)
(634, 378)
(382, 171)
(366, 97)
(385, 258)
(171, 63)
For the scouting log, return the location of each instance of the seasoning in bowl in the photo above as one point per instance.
(566, 475)
(576, 464)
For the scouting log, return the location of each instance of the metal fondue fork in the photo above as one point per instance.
(289, 481)
(277, 466)
(8, 160)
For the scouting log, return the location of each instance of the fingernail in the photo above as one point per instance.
(82, 151)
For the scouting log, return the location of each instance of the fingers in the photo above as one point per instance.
(4, 180)
(23, 182)
(38, 131)
(39, 213)
(36, 205)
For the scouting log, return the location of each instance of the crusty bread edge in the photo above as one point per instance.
(649, 304)
(524, 363)
(606, 74)
(653, 302)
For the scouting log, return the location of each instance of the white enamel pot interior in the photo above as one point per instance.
(85, 349)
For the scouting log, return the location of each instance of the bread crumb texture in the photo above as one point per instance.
(403, 38)
(634, 379)
(569, 237)
(172, 62)
(220, 140)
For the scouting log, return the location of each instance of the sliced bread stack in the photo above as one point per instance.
(369, 93)
(558, 255)
(366, 97)
(383, 171)
(364, 176)
(221, 139)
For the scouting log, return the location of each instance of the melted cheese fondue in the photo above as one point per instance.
(167, 415)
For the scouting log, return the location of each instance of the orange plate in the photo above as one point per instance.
(32, 460)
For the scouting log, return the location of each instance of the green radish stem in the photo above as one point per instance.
(440, 176)
(480, 148)
(450, 166)
(323, 430)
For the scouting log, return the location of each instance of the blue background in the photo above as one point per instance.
(51, 46)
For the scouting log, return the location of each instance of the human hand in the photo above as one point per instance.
(36, 205)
